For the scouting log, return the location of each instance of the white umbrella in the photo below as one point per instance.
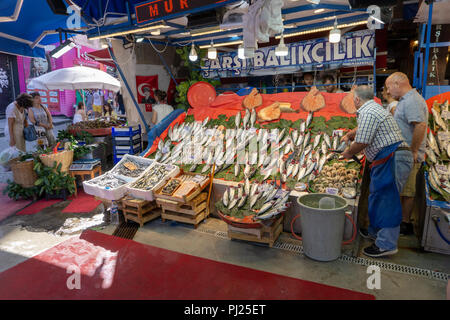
(75, 78)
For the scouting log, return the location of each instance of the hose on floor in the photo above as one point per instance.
(436, 223)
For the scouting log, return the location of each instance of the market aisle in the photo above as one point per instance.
(116, 268)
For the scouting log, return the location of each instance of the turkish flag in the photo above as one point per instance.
(145, 86)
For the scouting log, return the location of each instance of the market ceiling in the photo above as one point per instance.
(113, 18)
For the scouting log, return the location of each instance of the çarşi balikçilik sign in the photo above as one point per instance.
(354, 48)
(150, 10)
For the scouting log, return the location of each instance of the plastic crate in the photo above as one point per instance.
(126, 140)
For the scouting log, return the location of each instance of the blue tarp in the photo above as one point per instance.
(160, 127)
(34, 18)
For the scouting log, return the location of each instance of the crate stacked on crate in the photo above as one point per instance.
(268, 233)
(126, 140)
(138, 210)
(182, 198)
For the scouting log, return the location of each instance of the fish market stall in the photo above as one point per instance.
(297, 138)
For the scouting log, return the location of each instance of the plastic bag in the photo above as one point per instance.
(9, 154)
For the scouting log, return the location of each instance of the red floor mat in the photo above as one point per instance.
(116, 268)
(38, 206)
(9, 206)
(82, 203)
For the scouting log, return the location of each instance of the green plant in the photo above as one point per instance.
(84, 136)
(194, 75)
(16, 191)
(51, 180)
(79, 151)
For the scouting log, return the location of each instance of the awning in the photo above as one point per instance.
(102, 56)
(23, 22)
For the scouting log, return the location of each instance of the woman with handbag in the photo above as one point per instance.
(16, 120)
(41, 117)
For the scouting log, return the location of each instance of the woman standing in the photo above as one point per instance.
(16, 120)
(80, 115)
(41, 117)
(160, 109)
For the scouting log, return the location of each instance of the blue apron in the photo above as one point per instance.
(385, 209)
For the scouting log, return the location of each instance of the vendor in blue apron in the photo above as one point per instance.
(380, 137)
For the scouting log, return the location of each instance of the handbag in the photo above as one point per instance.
(29, 133)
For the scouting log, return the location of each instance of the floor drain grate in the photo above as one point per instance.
(298, 249)
(126, 230)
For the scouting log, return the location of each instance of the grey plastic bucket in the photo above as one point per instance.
(322, 229)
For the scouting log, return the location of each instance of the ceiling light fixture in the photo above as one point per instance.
(156, 32)
(314, 1)
(335, 33)
(212, 52)
(201, 32)
(346, 25)
(193, 54)
(319, 10)
(241, 52)
(281, 50)
(63, 48)
(139, 39)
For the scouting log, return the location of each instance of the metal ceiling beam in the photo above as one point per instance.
(319, 6)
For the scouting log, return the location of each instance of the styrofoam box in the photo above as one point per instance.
(148, 194)
(127, 148)
(108, 194)
(140, 160)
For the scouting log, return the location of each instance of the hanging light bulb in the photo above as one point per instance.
(212, 52)
(241, 54)
(193, 54)
(335, 34)
(281, 50)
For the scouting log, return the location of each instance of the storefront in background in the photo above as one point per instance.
(9, 84)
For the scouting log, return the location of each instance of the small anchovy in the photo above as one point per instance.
(232, 203)
(264, 208)
(242, 201)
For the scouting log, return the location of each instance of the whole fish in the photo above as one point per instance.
(432, 143)
(264, 208)
(300, 139)
(252, 118)
(193, 167)
(309, 119)
(242, 201)
(283, 178)
(289, 170)
(294, 135)
(225, 198)
(438, 119)
(281, 135)
(158, 155)
(237, 121)
(240, 191)
(316, 140)
(431, 155)
(327, 140)
(246, 118)
(306, 140)
(247, 186)
(161, 144)
(232, 203)
(205, 121)
(308, 149)
(301, 173)
(302, 126)
(322, 162)
(309, 169)
(269, 215)
(206, 168)
(237, 169)
(253, 200)
(253, 189)
(335, 142)
(295, 170)
(323, 147)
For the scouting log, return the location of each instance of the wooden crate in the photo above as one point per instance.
(140, 211)
(193, 212)
(157, 194)
(266, 234)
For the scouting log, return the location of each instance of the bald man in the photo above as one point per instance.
(411, 115)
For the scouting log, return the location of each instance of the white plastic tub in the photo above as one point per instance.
(148, 194)
(103, 192)
(140, 160)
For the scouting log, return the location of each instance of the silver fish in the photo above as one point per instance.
(281, 135)
(431, 155)
(240, 191)
(193, 167)
(283, 178)
(438, 119)
(295, 170)
(242, 201)
(225, 198)
(158, 155)
(205, 121)
(238, 119)
(316, 140)
(306, 140)
(253, 189)
(232, 203)
(206, 168)
(237, 169)
(432, 143)
(302, 126)
(231, 193)
(161, 144)
(301, 173)
(268, 215)
(322, 162)
(247, 186)
(294, 135)
(246, 118)
(300, 139)
(309, 119)
(264, 208)
(327, 140)
(252, 118)
(289, 170)
(253, 200)
(323, 147)
(335, 142)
